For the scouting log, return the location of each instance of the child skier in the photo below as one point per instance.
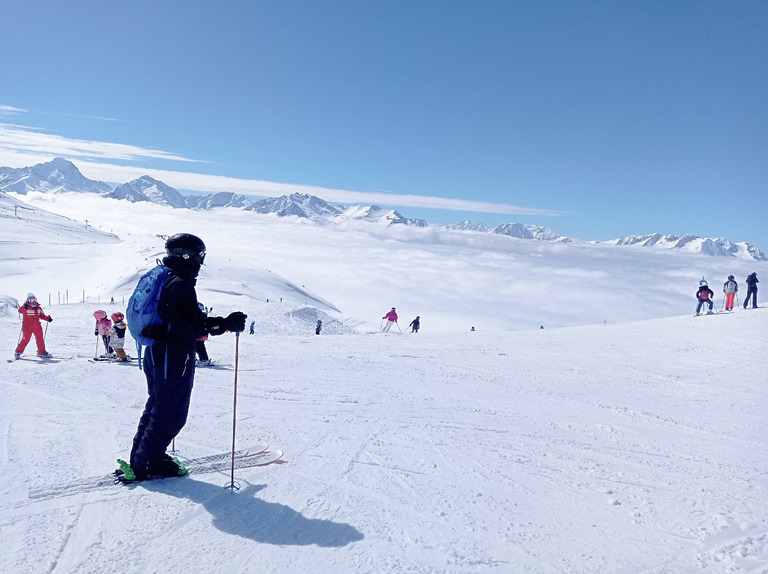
(704, 295)
(415, 324)
(103, 327)
(31, 314)
(117, 336)
(730, 288)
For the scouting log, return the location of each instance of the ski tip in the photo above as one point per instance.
(277, 456)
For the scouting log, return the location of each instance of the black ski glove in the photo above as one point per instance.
(50, 319)
(26, 305)
(233, 322)
(155, 332)
(96, 332)
(236, 321)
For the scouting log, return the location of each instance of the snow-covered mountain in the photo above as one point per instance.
(60, 175)
(147, 188)
(524, 231)
(312, 207)
(695, 244)
(298, 204)
(376, 214)
(218, 199)
(468, 225)
(519, 230)
(55, 176)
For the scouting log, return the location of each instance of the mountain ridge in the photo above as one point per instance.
(60, 175)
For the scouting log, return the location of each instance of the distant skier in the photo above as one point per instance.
(391, 318)
(415, 324)
(704, 295)
(117, 336)
(730, 288)
(102, 329)
(751, 290)
(31, 314)
(318, 327)
(253, 326)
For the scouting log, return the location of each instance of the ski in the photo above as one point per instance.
(128, 361)
(192, 464)
(261, 459)
(51, 359)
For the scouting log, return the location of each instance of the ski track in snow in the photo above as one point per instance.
(638, 447)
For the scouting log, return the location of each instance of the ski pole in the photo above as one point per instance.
(382, 325)
(232, 484)
(398, 327)
(96, 351)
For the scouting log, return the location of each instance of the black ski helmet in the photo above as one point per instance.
(186, 246)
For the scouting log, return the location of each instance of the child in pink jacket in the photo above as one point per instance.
(103, 328)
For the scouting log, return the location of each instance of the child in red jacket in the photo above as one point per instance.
(31, 314)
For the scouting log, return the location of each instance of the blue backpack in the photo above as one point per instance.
(142, 306)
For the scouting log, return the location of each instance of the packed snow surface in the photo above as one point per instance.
(638, 447)
(628, 446)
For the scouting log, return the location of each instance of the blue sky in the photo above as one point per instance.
(598, 119)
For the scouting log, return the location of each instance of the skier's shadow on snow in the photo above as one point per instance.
(242, 513)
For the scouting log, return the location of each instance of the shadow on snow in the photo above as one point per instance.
(243, 514)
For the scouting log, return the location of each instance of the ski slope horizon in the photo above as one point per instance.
(356, 271)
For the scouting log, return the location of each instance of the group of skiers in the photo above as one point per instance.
(112, 333)
(705, 295)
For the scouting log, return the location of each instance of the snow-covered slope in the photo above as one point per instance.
(486, 280)
(637, 447)
(58, 175)
(622, 447)
(23, 226)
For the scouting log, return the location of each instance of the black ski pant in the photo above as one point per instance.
(170, 372)
(751, 292)
(202, 353)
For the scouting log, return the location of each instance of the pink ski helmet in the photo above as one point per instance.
(100, 315)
